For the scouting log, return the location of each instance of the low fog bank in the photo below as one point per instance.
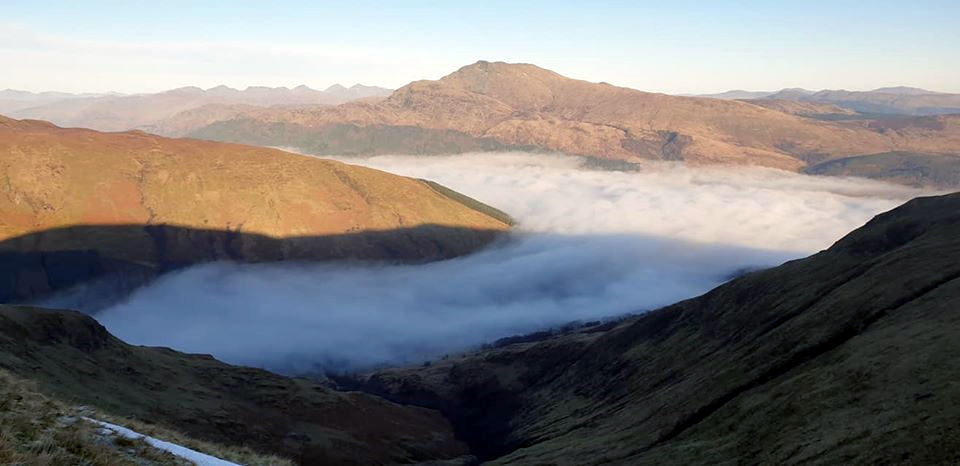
(745, 206)
(288, 317)
(589, 245)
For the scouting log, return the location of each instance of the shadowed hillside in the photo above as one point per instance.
(70, 356)
(36, 264)
(848, 356)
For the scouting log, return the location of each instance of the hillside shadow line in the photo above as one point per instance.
(40, 263)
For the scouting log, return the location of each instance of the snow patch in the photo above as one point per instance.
(201, 459)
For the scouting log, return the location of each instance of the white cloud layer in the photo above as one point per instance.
(745, 206)
(590, 244)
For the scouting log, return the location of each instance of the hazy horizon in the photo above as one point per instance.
(245, 88)
(351, 85)
(681, 48)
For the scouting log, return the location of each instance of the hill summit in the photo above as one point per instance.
(78, 203)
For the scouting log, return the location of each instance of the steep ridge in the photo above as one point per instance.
(154, 203)
(70, 356)
(522, 105)
(847, 356)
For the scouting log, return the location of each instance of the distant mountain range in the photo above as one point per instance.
(900, 100)
(494, 106)
(501, 106)
(118, 112)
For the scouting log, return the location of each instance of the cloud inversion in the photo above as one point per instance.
(589, 245)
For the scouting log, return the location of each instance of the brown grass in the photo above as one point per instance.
(33, 432)
(36, 430)
(238, 454)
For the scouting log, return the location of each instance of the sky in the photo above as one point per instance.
(678, 46)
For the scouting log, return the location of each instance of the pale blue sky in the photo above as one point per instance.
(672, 46)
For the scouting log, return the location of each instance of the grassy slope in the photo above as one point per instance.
(149, 202)
(38, 430)
(73, 358)
(848, 356)
(55, 177)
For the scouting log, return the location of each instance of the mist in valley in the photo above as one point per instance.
(588, 245)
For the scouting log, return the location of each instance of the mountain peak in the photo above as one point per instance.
(521, 85)
(505, 87)
(221, 89)
(486, 69)
(335, 88)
